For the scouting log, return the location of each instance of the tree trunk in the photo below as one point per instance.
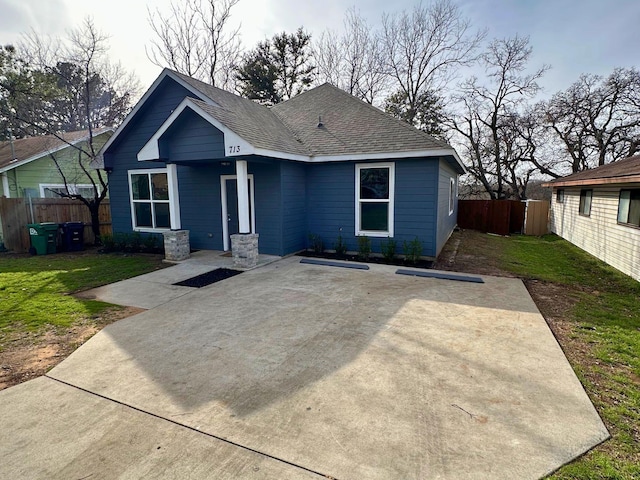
(94, 208)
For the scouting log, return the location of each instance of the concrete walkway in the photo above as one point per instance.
(156, 288)
(305, 371)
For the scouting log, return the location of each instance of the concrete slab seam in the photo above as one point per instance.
(193, 429)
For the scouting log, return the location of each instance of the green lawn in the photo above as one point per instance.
(34, 291)
(605, 320)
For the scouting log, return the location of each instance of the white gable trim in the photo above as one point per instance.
(165, 73)
(234, 144)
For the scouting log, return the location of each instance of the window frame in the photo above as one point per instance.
(390, 201)
(72, 188)
(581, 205)
(452, 195)
(560, 195)
(627, 223)
(132, 202)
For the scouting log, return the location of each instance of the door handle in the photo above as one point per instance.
(228, 217)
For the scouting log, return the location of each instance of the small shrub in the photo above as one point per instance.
(150, 243)
(412, 250)
(108, 243)
(388, 249)
(340, 247)
(121, 241)
(315, 242)
(135, 242)
(364, 247)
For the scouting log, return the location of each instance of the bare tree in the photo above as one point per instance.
(352, 61)
(195, 38)
(423, 48)
(596, 120)
(491, 122)
(89, 93)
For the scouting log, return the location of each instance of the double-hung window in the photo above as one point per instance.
(629, 207)
(374, 199)
(149, 190)
(586, 196)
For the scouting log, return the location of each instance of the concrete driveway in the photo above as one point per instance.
(305, 371)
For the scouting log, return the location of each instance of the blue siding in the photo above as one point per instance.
(331, 203)
(446, 222)
(190, 138)
(200, 207)
(294, 207)
(122, 155)
(415, 205)
(266, 178)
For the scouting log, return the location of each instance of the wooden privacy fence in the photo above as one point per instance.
(503, 217)
(16, 213)
(537, 217)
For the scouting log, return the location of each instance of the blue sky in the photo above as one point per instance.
(573, 36)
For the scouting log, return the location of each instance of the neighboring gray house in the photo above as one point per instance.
(598, 210)
(191, 156)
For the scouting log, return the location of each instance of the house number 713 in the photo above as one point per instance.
(234, 149)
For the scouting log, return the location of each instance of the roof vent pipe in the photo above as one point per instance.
(320, 124)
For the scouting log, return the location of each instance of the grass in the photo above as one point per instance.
(605, 320)
(34, 291)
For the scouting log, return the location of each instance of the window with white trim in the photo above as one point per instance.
(374, 199)
(52, 190)
(560, 195)
(149, 193)
(629, 207)
(452, 195)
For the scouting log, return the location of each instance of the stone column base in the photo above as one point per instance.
(176, 245)
(244, 248)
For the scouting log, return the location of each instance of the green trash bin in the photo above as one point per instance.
(43, 237)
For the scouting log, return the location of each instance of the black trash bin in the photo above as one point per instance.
(72, 236)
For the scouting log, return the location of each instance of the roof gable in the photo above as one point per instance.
(351, 129)
(26, 150)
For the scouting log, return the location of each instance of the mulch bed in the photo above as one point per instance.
(209, 278)
(400, 262)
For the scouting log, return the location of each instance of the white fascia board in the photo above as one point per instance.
(358, 156)
(165, 73)
(44, 153)
(232, 141)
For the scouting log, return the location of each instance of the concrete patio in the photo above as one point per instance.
(306, 371)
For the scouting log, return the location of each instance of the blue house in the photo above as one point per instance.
(194, 157)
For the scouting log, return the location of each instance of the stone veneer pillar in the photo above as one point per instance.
(176, 245)
(244, 248)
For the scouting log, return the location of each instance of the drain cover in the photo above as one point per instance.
(208, 278)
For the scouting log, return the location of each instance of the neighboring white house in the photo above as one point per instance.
(598, 210)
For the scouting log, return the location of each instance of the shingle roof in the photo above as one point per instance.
(348, 125)
(36, 147)
(625, 170)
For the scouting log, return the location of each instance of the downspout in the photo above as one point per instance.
(5, 184)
